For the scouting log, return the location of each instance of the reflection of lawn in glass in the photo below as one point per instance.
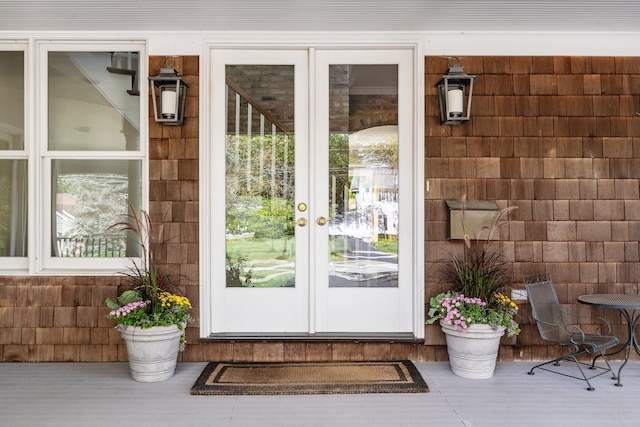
(338, 247)
(387, 245)
(270, 265)
(277, 282)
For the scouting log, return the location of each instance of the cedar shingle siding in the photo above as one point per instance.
(558, 137)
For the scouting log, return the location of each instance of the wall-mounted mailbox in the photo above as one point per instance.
(476, 220)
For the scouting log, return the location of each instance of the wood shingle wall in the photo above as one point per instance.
(558, 137)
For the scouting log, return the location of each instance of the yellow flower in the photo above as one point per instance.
(505, 300)
(169, 299)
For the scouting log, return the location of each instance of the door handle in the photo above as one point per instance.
(321, 220)
(301, 222)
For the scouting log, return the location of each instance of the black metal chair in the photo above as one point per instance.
(556, 326)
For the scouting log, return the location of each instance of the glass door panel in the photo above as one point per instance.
(363, 145)
(259, 234)
(260, 176)
(363, 175)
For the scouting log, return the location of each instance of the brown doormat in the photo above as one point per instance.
(309, 378)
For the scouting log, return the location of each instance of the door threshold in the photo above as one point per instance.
(405, 337)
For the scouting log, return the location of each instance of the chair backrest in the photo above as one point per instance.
(545, 307)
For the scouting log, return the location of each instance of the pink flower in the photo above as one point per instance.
(126, 309)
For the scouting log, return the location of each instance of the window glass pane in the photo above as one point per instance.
(13, 208)
(94, 104)
(11, 100)
(89, 196)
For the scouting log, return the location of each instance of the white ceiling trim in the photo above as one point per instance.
(321, 15)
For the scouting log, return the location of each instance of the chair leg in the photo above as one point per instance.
(556, 362)
(593, 362)
(583, 375)
(613, 373)
(573, 357)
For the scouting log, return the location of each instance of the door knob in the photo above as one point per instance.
(301, 222)
(321, 220)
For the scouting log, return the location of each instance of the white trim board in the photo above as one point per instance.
(485, 43)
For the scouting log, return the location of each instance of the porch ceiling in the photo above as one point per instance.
(321, 15)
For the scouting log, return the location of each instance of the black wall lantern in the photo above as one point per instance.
(454, 91)
(169, 93)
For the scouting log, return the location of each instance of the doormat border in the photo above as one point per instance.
(411, 383)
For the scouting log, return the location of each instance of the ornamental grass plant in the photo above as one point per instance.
(151, 299)
(478, 278)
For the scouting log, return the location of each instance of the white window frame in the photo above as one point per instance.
(20, 264)
(39, 259)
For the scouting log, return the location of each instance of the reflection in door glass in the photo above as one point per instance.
(363, 176)
(260, 244)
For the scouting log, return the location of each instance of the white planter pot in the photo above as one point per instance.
(152, 352)
(473, 354)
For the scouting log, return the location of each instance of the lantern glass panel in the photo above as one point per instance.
(168, 101)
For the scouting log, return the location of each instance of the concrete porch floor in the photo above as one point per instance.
(103, 394)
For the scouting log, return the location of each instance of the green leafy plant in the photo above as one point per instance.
(237, 275)
(151, 301)
(477, 277)
(459, 310)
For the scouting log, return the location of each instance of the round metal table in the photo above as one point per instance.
(629, 306)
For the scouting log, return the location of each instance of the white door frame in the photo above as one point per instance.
(362, 310)
(270, 310)
(209, 271)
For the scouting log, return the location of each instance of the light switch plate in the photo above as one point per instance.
(518, 294)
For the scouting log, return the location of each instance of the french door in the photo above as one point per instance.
(310, 193)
